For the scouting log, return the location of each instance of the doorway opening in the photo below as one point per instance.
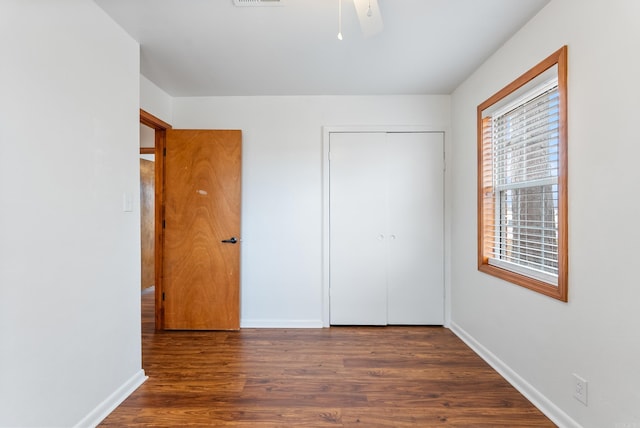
(147, 213)
(156, 148)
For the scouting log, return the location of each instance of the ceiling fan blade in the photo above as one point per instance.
(369, 16)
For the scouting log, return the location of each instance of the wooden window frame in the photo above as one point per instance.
(486, 208)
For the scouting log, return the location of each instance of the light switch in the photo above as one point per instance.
(127, 202)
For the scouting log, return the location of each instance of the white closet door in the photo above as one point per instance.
(357, 197)
(386, 228)
(415, 228)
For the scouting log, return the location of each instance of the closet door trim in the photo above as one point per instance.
(326, 134)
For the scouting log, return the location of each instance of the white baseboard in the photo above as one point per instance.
(103, 410)
(275, 323)
(553, 412)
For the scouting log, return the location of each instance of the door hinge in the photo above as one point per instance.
(164, 224)
(163, 296)
(329, 156)
(164, 151)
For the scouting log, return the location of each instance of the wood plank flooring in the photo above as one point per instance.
(336, 377)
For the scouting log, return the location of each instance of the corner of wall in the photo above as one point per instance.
(101, 411)
(532, 394)
(156, 101)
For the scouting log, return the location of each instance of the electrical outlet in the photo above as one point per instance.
(580, 389)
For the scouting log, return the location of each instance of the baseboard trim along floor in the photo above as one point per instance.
(114, 400)
(539, 400)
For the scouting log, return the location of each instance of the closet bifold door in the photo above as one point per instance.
(415, 282)
(386, 228)
(357, 197)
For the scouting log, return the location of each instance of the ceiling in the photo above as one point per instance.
(212, 47)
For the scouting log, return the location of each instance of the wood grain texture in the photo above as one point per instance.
(202, 195)
(147, 223)
(335, 377)
(160, 127)
(160, 146)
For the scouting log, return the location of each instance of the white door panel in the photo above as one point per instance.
(357, 191)
(415, 272)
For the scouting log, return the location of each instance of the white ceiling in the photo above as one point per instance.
(211, 47)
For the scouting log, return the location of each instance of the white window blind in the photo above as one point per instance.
(524, 169)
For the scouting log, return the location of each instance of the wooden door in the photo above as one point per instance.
(147, 223)
(201, 272)
(386, 228)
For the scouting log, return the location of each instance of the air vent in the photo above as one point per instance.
(259, 3)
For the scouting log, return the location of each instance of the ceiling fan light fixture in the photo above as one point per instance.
(369, 16)
(339, 19)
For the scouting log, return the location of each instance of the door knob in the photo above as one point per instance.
(233, 240)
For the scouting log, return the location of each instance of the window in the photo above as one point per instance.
(522, 180)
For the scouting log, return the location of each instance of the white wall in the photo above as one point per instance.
(69, 255)
(155, 101)
(147, 136)
(282, 187)
(536, 340)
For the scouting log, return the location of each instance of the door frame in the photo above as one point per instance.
(160, 127)
(326, 250)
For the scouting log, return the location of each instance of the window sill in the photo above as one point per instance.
(524, 281)
(539, 275)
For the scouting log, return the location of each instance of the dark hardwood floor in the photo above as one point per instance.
(335, 377)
